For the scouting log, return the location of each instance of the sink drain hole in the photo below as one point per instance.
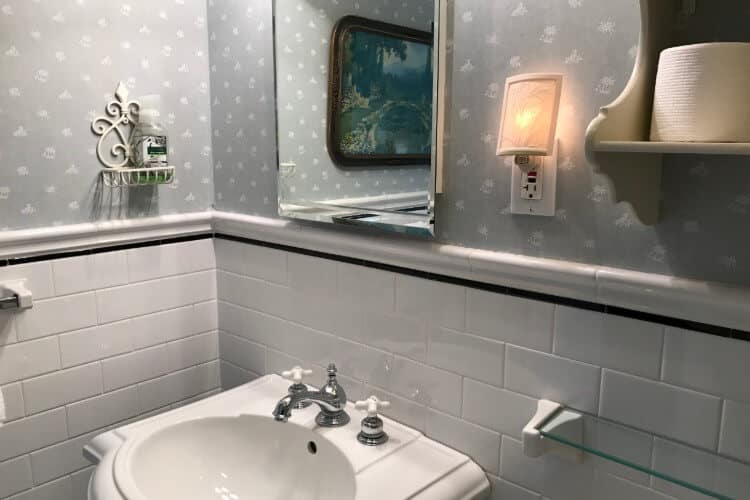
(312, 448)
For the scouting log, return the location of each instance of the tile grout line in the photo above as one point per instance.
(662, 354)
(722, 415)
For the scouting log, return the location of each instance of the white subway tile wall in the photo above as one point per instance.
(735, 431)
(7, 328)
(704, 469)
(112, 337)
(707, 364)
(663, 409)
(467, 366)
(119, 336)
(609, 341)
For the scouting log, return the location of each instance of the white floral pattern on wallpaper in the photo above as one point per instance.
(242, 105)
(60, 63)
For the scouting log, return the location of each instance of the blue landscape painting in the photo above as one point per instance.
(385, 107)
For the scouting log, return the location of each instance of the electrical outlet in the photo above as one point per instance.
(532, 181)
(534, 186)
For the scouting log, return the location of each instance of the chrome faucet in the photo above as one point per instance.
(331, 399)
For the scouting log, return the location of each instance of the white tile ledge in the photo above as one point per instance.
(716, 304)
(705, 302)
(423, 255)
(553, 277)
(32, 242)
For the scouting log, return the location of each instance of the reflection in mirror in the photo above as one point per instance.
(355, 93)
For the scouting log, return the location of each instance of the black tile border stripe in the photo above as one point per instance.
(103, 249)
(706, 328)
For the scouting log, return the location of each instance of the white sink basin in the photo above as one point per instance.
(228, 447)
(234, 458)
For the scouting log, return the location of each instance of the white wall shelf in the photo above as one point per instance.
(623, 127)
(698, 148)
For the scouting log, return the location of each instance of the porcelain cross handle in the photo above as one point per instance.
(372, 405)
(296, 374)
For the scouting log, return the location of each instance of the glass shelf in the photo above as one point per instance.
(651, 460)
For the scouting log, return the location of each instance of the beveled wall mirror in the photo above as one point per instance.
(356, 101)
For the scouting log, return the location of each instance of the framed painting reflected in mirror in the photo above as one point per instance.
(357, 112)
(380, 94)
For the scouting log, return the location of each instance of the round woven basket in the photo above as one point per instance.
(703, 94)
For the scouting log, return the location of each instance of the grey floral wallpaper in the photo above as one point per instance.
(60, 63)
(242, 105)
(303, 32)
(593, 42)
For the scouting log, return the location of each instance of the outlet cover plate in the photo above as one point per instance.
(545, 207)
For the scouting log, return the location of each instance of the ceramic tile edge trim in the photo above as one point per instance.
(673, 299)
(711, 304)
(70, 238)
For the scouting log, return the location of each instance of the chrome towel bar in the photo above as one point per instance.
(9, 302)
(14, 296)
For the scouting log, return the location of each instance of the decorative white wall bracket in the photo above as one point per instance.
(618, 139)
(121, 118)
(553, 418)
(122, 115)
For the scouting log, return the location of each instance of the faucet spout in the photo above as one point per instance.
(331, 400)
(326, 402)
(283, 410)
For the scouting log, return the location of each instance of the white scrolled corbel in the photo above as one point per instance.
(121, 114)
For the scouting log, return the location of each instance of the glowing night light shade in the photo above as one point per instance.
(529, 115)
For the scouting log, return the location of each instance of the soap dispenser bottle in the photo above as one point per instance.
(149, 144)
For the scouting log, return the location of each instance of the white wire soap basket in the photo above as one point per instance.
(117, 126)
(130, 177)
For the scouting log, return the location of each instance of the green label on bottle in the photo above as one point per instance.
(156, 150)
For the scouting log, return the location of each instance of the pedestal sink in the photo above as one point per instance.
(228, 447)
(234, 458)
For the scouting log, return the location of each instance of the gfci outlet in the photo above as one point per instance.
(534, 186)
(532, 182)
